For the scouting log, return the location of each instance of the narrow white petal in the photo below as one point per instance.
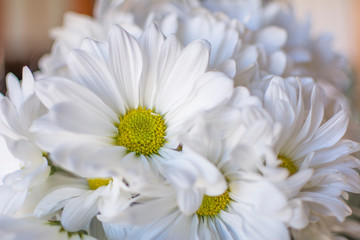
(216, 88)
(189, 200)
(55, 90)
(327, 135)
(78, 212)
(126, 64)
(27, 83)
(75, 118)
(94, 74)
(150, 44)
(189, 65)
(272, 38)
(56, 200)
(14, 90)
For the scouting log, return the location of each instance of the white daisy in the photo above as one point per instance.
(249, 207)
(127, 104)
(78, 199)
(18, 111)
(311, 148)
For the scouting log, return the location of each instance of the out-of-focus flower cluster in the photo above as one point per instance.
(166, 119)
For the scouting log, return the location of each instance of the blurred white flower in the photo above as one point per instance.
(78, 200)
(144, 139)
(311, 148)
(28, 166)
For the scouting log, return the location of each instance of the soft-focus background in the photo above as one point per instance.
(24, 26)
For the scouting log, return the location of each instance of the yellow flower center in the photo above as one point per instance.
(141, 131)
(288, 164)
(211, 206)
(95, 183)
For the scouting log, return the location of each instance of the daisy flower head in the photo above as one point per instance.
(77, 201)
(127, 102)
(27, 166)
(312, 150)
(248, 207)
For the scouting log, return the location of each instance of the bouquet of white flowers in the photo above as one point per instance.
(192, 119)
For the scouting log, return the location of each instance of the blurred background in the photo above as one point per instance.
(24, 27)
(24, 30)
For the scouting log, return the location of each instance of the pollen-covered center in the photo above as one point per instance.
(95, 183)
(288, 164)
(141, 131)
(211, 206)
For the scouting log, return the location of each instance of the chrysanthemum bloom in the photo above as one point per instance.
(249, 206)
(311, 148)
(126, 105)
(18, 111)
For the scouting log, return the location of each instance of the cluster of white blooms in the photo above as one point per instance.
(163, 119)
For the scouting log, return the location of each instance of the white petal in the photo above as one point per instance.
(150, 44)
(55, 90)
(56, 200)
(75, 118)
(78, 212)
(260, 194)
(27, 83)
(340, 149)
(272, 38)
(216, 89)
(14, 90)
(328, 134)
(11, 200)
(189, 201)
(94, 74)
(126, 64)
(178, 83)
(278, 62)
(99, 49)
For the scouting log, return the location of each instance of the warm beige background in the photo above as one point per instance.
(27, 23)
(339, 17)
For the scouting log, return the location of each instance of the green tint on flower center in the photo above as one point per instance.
(211, 206)
(58, 224)
(141, 131)
(95, 183)
(288, 164)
